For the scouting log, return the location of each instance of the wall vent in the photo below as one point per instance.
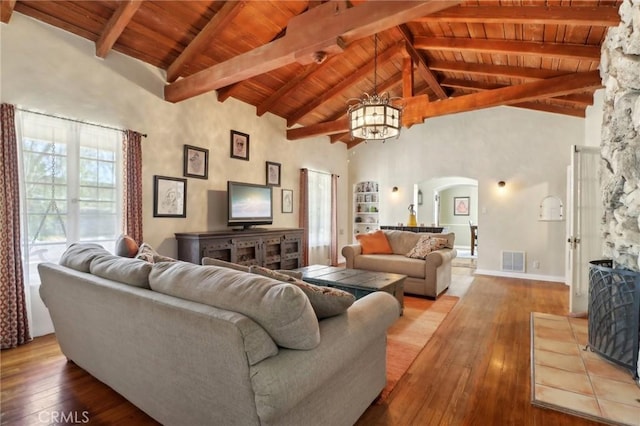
(513, 261)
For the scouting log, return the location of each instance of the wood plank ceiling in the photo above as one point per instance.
(304, 60)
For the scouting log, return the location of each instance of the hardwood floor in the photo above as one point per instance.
(474, 371)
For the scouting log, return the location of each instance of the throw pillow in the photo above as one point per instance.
(126, 246)
(281, 309)
(210, 261)
(147, 253)
(425, 245)
(325, 301)
(374, 243)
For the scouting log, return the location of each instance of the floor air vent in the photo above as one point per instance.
(513, 261)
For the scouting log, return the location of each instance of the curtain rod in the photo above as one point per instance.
(317, 171)
(75, 121)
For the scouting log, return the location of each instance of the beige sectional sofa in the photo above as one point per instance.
(209, 345)
(428, 277)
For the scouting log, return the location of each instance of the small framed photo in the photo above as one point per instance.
(169, 197)
(287, 201)
(196, 162)
(239, 145)
(273, 174)
(461, 206)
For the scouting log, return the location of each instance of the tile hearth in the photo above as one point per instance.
(568, 378)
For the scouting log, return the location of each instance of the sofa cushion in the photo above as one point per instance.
(374, 243)
(282, 309)
(210, 261)
(326, 301)
(126, 246)
(78, 256)
(425, 245)
(392, 263)
(134, 272)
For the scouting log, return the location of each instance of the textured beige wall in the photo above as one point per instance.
(527, 149)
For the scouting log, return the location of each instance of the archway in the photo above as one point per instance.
(450, 202)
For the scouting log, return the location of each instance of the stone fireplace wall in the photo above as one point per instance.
(620, 146)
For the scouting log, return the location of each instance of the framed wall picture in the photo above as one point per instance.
(287, 201)
(461, 206)
(169, 197)
(273, 173)
(239, 145)
(196, 162)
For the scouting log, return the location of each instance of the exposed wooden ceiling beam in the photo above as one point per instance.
(201, 42)
(555, 109)
(336, 90)
(574, 100)
(418, 108)
(407, 77)
(309, 72)
(557, 86)
(324, 28)
(116, 25)
(423, 69)
(604, 16)
(340, 125)
(510, 47)
(6, 10)
(495, 70)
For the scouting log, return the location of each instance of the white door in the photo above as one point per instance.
(584, 236)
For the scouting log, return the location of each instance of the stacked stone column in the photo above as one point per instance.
(620, 146)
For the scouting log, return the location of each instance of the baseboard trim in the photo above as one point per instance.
(533, 277)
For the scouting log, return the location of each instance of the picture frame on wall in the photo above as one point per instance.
(169, 197)
(239, 145)
(273, 173)
(287, 201)
(461, 206)
(196, 162)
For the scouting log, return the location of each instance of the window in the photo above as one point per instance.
(319, 217)
(71, 187)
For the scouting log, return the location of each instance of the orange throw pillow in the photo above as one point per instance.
(374, 243)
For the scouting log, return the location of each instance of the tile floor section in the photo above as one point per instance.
(568, 378)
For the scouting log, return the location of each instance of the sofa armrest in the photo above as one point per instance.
(439, 257)
(350, 252)
(282, 381)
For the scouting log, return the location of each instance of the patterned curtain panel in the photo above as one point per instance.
(303, 220)
(334, 220)
(132, 166)
(14, 325)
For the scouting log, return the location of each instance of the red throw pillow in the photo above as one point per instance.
(374, 243)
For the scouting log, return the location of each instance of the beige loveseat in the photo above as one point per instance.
(209, 345)
(428, 277)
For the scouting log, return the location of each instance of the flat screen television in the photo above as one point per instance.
(249, 204)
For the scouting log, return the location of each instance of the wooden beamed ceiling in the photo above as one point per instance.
(305, 60)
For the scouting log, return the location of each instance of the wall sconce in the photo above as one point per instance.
(501, 184)
(395, 189)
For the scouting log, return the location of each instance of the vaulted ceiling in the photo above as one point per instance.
(304, 60)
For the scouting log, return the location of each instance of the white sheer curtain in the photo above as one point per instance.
(70, 190)
(319, 218)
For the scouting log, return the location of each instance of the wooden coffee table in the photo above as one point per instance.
(355, 281)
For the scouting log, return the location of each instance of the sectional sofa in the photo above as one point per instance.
(209, 345)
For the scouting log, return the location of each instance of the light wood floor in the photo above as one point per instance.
(474, 371)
